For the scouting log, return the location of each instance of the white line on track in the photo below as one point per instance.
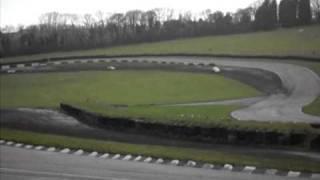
(34, 64)
(28, 146)
(249, 169)
(208, 166)
(79, 152)
(117, 156)
(5, 67)
(65, 151)
(228, 167)
(18, 145)
(138, 158)
(293, 174)
(93, 154)
(271, 171)
(9, 143)
(191, 163)
(51, 149)
(104, 155)
(159, 161)
(96, 61)
(57, 63)
(127, 157)
(175, 162)
(11, 71)
(20, 66)
(148, 159)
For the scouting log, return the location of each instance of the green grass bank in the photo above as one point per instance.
(299, 41)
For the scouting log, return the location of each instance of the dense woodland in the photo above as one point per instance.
(62, 32)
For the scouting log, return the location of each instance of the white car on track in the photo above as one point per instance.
(111, 68)
(216, 69)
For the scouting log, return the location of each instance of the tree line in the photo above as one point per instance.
(62, 32)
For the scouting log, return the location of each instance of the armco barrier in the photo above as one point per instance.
(201, 134)
(41, 60)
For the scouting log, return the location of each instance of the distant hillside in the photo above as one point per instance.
(299, 41)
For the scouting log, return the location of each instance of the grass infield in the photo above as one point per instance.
(101, 91)
(117, 87)
(128, 93)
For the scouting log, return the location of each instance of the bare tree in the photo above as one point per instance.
(216, 17)
(187, 16)
(151, 18)
(315, 5)
(100, 18)
(117, 18)
(88, 20)
(133, 17)
(116, 23)
(70, 32)
(50, 19)
(205, 14)
(242, 16)
(159, 14)
(169, 14)
(8, 29)
(74, 19)
(164, 14)
(255, 6)
(63, 19)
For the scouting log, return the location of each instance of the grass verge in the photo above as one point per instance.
(182, 115)
(313, 108)
(215, 116)
(210, 156)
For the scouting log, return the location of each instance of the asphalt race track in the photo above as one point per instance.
(25, 164)
(301, 84)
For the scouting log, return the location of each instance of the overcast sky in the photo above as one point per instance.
(26, 12)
